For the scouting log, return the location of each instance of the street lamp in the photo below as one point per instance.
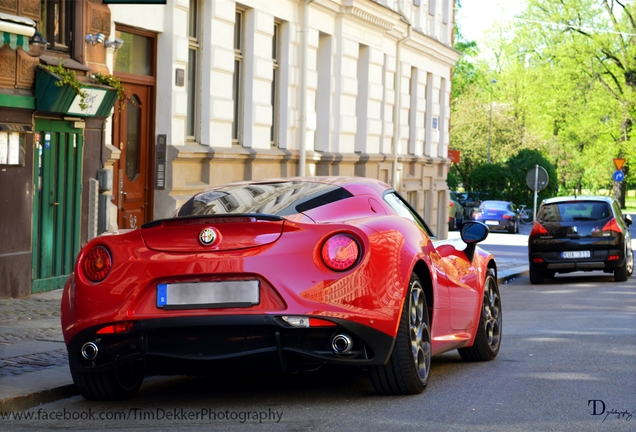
(492, 81)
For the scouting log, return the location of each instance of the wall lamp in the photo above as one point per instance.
(95, 39)
(37, 45)
(115, 43)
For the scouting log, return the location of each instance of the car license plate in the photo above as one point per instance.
(488, 222)
(236, 293)
(575, 254)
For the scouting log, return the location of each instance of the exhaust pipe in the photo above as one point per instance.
(89, 350)
(341, 343)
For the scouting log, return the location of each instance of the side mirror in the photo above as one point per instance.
(473, 232)
(628, 219)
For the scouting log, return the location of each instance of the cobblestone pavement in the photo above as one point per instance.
(34, 318)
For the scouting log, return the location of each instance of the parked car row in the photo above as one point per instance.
(570, 234)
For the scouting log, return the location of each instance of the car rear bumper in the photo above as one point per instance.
(599, 260)
(213, 344)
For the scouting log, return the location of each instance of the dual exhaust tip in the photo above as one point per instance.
(340, 344)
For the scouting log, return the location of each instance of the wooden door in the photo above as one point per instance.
(133, 171)
(56, 202)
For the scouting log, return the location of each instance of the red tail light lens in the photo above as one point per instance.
(538, 229)
(97, 264)
(508, 216)
(450, 204)
(317, 322)
(340, 252)
(116, 328)
(612, 226)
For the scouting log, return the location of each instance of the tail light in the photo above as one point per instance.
(612, 226)
(538, 229)
(97, 264)
(116, 328)
(340, 252)
(450, 204)
(507, 216)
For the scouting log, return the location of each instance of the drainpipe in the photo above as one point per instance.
(303, 89)
(398, 97)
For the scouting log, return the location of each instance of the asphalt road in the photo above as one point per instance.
(566, 363)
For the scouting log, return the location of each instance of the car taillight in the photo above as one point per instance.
(538, 229)
(450, 204)
(340, 252)
(506, 216)
(116, 328)
(97, 264)
(612, 226)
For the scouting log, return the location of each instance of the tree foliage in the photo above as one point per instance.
(566, 89)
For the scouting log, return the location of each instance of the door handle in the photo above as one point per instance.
(55, 203)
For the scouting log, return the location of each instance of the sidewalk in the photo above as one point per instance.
(33, 359)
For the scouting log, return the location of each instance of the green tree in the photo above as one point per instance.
(518, 166)
(491, 180)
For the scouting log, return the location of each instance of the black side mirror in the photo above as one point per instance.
(473, 232)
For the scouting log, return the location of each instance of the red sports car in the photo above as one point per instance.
(287, 274)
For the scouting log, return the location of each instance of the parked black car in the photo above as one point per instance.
(580, 234)
(498, 215)
(470, 201)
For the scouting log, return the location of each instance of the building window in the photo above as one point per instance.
(237, 91)
(193, 56)
(274, 130)
(56, 24)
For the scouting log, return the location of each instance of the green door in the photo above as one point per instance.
(56, 202)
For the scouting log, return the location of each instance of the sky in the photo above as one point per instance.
(477, 16)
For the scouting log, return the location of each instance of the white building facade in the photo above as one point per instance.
(279, 88)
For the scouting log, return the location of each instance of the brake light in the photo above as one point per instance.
(97, 264)
(538, 229)
(340, 252)
(612, 226)
(450, 204)
(317, 322)
(116, 328)
(537, 260)
(507, 216)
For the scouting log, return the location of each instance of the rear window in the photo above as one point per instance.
(574, 211)
(495, 205)
(279, 199)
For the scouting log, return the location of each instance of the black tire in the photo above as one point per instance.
(488, 337)
(512, 230)
(114, 385)
(630, 262)
(536, 277)
(517, 227)
(451, 224)
(621, 274)
(408, 368)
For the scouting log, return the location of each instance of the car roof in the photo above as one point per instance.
(556, 200)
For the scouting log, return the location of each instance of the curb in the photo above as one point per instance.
(22, 403)
(506, 276)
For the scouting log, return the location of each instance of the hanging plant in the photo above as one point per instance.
(67, 77)
(114, 82)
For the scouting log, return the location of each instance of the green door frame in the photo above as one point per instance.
(58, 162)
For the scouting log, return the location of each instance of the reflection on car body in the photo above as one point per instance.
(283, 274)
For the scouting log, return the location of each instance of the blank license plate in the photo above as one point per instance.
(575, 254)
(208, 294)
(492, 222)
